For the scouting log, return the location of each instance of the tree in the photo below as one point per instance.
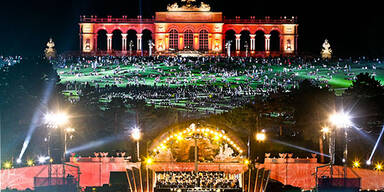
(365, 86)
(312, 105)
(363, 100)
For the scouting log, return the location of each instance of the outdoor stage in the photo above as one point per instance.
(200, 156)
(95, 171)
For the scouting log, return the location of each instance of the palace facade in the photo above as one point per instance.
(188, 27)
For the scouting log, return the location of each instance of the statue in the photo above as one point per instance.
(50, 51)
(289, 45)
(204, 6)
(174, 6)
(188, 6)
(151, 45)
(326, 52)
(225, 154)
(165, 155)
(228, 46)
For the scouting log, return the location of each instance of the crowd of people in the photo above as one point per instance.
(9, 61)
(201, 180)
(202, 83)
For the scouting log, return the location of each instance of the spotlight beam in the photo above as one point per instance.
(298, 147)
(361, 132)
(377, 143)
(96, 143)
(37, 116)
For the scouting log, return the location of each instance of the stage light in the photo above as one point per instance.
(260, 137)
(340, 120)
(368, 162)
(7, 165)
(149, 161)
(136, 135)
(379, 166)
(69, 130)
(325, 130)
(18, 161)
(179, 137)
(246, 161)
(356, 164)
(42, 159)
(29, 162)
(56, 119)
(216, 138)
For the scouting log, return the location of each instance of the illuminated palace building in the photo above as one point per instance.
(188, 26)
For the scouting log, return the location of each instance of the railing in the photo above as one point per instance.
(261, 21)
(124, 19)
(157, 189)
(332, 177)
(237, 20)
(325, 183)
(45, 181)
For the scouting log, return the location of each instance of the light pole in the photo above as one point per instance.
(67, 131)
(136, 135)
(149, 162)
(325, 130)
(54, 121)
(342, 120)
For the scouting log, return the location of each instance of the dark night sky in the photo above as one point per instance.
(352, 28)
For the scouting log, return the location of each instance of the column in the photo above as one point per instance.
(166, 41)
(139, 43)
(196, 41)
(109, 42)
(237, 42)
(95, 42)
(296, 43)
(281, 43)
(210, 41)
(181, 41)
(81, 42)
(267, 41)
(252, 41)
(124, 41)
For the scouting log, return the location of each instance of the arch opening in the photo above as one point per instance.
(245, 40)
(147, 35)
(102, 40)
(132, 39)
(117, 40)
(260, 41)
(230, 36)
(275, 41)
(211, 143)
